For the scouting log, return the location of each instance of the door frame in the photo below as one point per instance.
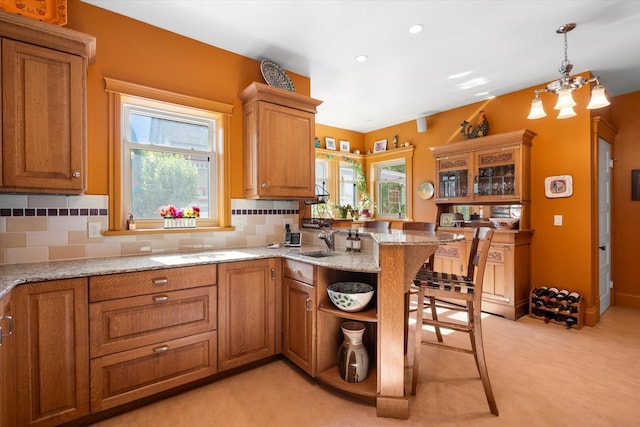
(600, 130)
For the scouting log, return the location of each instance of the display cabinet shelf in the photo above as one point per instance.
(367, 388)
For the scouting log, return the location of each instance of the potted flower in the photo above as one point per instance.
(179, 217)
(343, 210)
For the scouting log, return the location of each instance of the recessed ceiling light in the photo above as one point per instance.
(416, 28)
(361, 58)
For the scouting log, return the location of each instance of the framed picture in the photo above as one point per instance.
(558, 186)
(329, 143)
(344, 146)
(380, 146)
(635, 185)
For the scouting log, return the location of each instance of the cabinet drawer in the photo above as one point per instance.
(300, 271)
(146, 282)
(126, 323)
(123, 377)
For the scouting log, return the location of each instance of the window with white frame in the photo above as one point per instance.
(168, 158)
(348, 191)
(391, 189)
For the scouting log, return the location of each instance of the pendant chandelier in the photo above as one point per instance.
(565, 86)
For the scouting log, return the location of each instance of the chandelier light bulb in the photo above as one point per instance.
(598, 98)
(566, 113)
(565, 99)
(537, 110)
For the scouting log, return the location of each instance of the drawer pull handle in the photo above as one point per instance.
(10, 319)
(296, 271)
(161, 349)
(308, 304)
(161, 298)
(162, 281)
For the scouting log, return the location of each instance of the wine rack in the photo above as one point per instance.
(551, 310)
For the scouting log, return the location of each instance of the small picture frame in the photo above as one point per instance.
(558, 186)
(379, 146)
(345, 146)
(635, 185)
(329, 143)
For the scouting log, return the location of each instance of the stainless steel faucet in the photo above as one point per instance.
(328, 237)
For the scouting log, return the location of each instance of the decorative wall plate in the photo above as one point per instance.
(425, 190)
(276, 76)
(558, 186)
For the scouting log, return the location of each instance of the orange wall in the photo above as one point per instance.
(561, 256)
(626, 213)
(139, 53)
(135, 52)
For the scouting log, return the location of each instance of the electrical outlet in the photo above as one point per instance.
(557, 220)
(93, 229)
(240, 223)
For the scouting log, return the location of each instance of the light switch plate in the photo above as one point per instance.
(557, 220)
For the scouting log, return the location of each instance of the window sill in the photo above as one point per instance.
(142, 231)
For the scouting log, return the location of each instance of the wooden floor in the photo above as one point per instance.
(542, 375)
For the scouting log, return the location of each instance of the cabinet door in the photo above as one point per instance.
(451, 258)
(498, 174)
(51, 351)
(7, 401)
(246, 312)
(454, 176)
(299, 320)
(279, 152)
(43, 107)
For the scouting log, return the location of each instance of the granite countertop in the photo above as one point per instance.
(15, 274)
(12, 275)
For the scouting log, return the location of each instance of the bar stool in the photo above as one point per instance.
(415, 226)
(465, 290)
(381, 226)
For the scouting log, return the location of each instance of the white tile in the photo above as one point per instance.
(22, 255)
(88, 201)
(47, 238)
(13, 201)
(67, 223)
(37, 201)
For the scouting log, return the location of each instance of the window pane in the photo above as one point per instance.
(147, 129)
(159, 179)
(391, 188)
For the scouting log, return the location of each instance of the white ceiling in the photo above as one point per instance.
(492, 46)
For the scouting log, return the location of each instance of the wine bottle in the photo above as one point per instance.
(570, 321)
(562, 295)
(573, 297)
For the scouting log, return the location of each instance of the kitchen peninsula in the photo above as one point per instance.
(112, 289)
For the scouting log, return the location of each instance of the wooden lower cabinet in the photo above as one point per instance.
(151, 331)
(7, 401)
(50, 322)
(246, 312)
(129, 375)
(299, 315)
(507, 276)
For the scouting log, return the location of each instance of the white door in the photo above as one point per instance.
(604, 223)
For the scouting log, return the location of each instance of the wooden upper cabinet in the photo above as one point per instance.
(487, 170)
(278, 135)
(43, 85)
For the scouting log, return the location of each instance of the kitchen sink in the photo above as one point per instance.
(319, 254)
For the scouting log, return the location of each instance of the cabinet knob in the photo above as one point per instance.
(264, 185)
(76, 174)
(308, 304)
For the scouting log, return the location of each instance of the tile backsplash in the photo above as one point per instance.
(37, 228)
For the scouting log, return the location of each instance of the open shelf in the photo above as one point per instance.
(369, 315)
(367, 388)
